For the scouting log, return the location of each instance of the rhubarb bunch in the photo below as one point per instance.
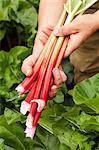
(39, 83)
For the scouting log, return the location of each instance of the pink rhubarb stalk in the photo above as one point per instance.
(40, 79)
(25, 105)
(47, 82)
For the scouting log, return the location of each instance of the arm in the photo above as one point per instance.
(49, 12)
(80, 29)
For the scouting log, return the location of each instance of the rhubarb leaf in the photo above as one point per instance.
(12, 116)
(71, 137)
(59, 98)
(7, 133)
(10, 73)
(49, 141)
(18, 20)
(3, 146)
(87, 93)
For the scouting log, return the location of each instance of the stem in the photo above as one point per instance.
(61, 53)
(82, 10)
(40, 80)
(48, 76)
(72, 14)
(30, 95)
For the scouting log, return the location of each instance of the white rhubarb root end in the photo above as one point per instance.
(29, 121)
(30, 132)
(41, 104)
(20, 89)
(25, 107)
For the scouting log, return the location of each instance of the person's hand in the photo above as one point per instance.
(58, 74)
(80, 29)
(41, 38)
(59, 78)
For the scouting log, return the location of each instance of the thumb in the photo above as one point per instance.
(67, 29)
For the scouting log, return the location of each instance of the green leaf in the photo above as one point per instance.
(12, 116)
(71, 137)
(2, 144)
(49, 141)
(87, 93)
(83, 121)
(51, 115)
(28, 16)
(59, 98)
(10, 73)
(6, 133)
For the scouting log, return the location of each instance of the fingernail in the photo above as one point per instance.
(56, 31)
(28, 73)
(54, 87)
(64, 78)
(55, 70)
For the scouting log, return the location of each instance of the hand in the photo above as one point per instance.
(59, 78)
(41, 38)
(58, 74)
(80, 29)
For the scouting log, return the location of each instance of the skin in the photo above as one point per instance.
(81, 28)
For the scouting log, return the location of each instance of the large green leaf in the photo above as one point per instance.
(87, 93)
(21, 16)
(10, 73)
(71, 137)
(6, 132)
(81, 120)
(12, 116)
(48, 140)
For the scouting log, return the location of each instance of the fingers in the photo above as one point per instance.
(28, 64)
(59, 76)
(74, 42)
(53, 91)
(38, 46)
(41, 39)
(63, 75)
(48, 30)
(65, 30)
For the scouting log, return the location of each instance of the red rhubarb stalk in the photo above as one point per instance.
(25, 105)
(38, 86)
(47, 81)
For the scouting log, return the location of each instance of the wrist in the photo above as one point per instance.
(50, 12)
